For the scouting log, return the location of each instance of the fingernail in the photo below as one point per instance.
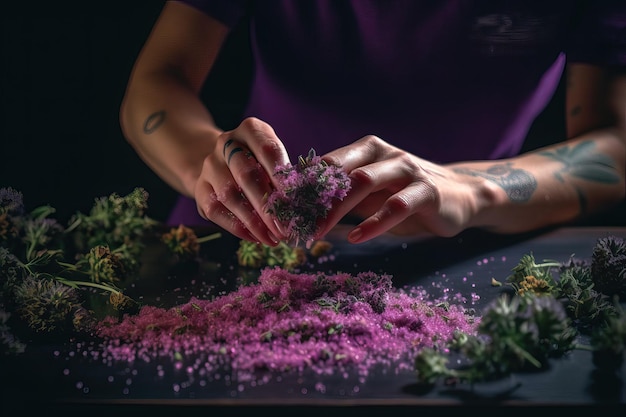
(272, 237)
(355, 234)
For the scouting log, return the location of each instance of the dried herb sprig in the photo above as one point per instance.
(541, 320)
(114, 221)
(608, 266)
(258, 255)
(43, 264)
(184, 243)
(608, 341)
(514, 334)
(305, 194)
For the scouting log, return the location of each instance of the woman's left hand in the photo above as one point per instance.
(397, 192)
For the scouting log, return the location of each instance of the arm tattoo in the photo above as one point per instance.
(576, 110)
(153, 122)
(518, 184)
(580, 161)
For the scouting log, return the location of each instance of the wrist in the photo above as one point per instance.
(489, 200)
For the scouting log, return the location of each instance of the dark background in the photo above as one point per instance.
(63, 74)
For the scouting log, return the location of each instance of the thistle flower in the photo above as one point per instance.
(46, 305)
(11, 202)
(305, 194)
(584, 305)
(608, 265)
(514, 333)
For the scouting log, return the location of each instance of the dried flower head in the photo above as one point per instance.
(320, 248)
(114, 221)
(251, 254)
(46, 305)
(8, 228)
(122, 302)
(11, 201)
(256, 255)
(305, 194)
(104, 265)
(533, 285)
(608, 265)
(182, 241)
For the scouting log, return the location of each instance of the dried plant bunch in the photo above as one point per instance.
(305, 194)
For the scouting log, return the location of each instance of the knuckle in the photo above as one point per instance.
(374, 143)
(362, 176)
(248, 174)
(211, 208)
(228, 195)
(399, 204)
(269, 147)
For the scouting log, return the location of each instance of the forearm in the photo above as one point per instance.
(552, 185)
(169, 128)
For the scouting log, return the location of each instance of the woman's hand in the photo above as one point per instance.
(236, 179)
(394, 191)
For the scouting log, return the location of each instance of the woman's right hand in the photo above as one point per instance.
(237, 177)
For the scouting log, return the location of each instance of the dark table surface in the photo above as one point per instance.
(54, 376)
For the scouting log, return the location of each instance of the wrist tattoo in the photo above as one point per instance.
(153, 122)
(518, 184)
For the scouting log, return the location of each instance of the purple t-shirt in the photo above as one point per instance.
(444, 80)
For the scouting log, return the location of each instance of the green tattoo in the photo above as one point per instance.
(153, 122)
(518, 184)
(579, 161)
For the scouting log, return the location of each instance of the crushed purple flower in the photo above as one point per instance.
(305, 194)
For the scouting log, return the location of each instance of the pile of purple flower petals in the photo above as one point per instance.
(290, 322)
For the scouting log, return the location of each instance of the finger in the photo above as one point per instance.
(395, 210)
(261, 139)
(247, 200)
(365, 181)
(362, 152)
(210, 208)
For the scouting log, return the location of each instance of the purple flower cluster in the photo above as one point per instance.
(289, 322)
(11, 201)
(305, 194)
